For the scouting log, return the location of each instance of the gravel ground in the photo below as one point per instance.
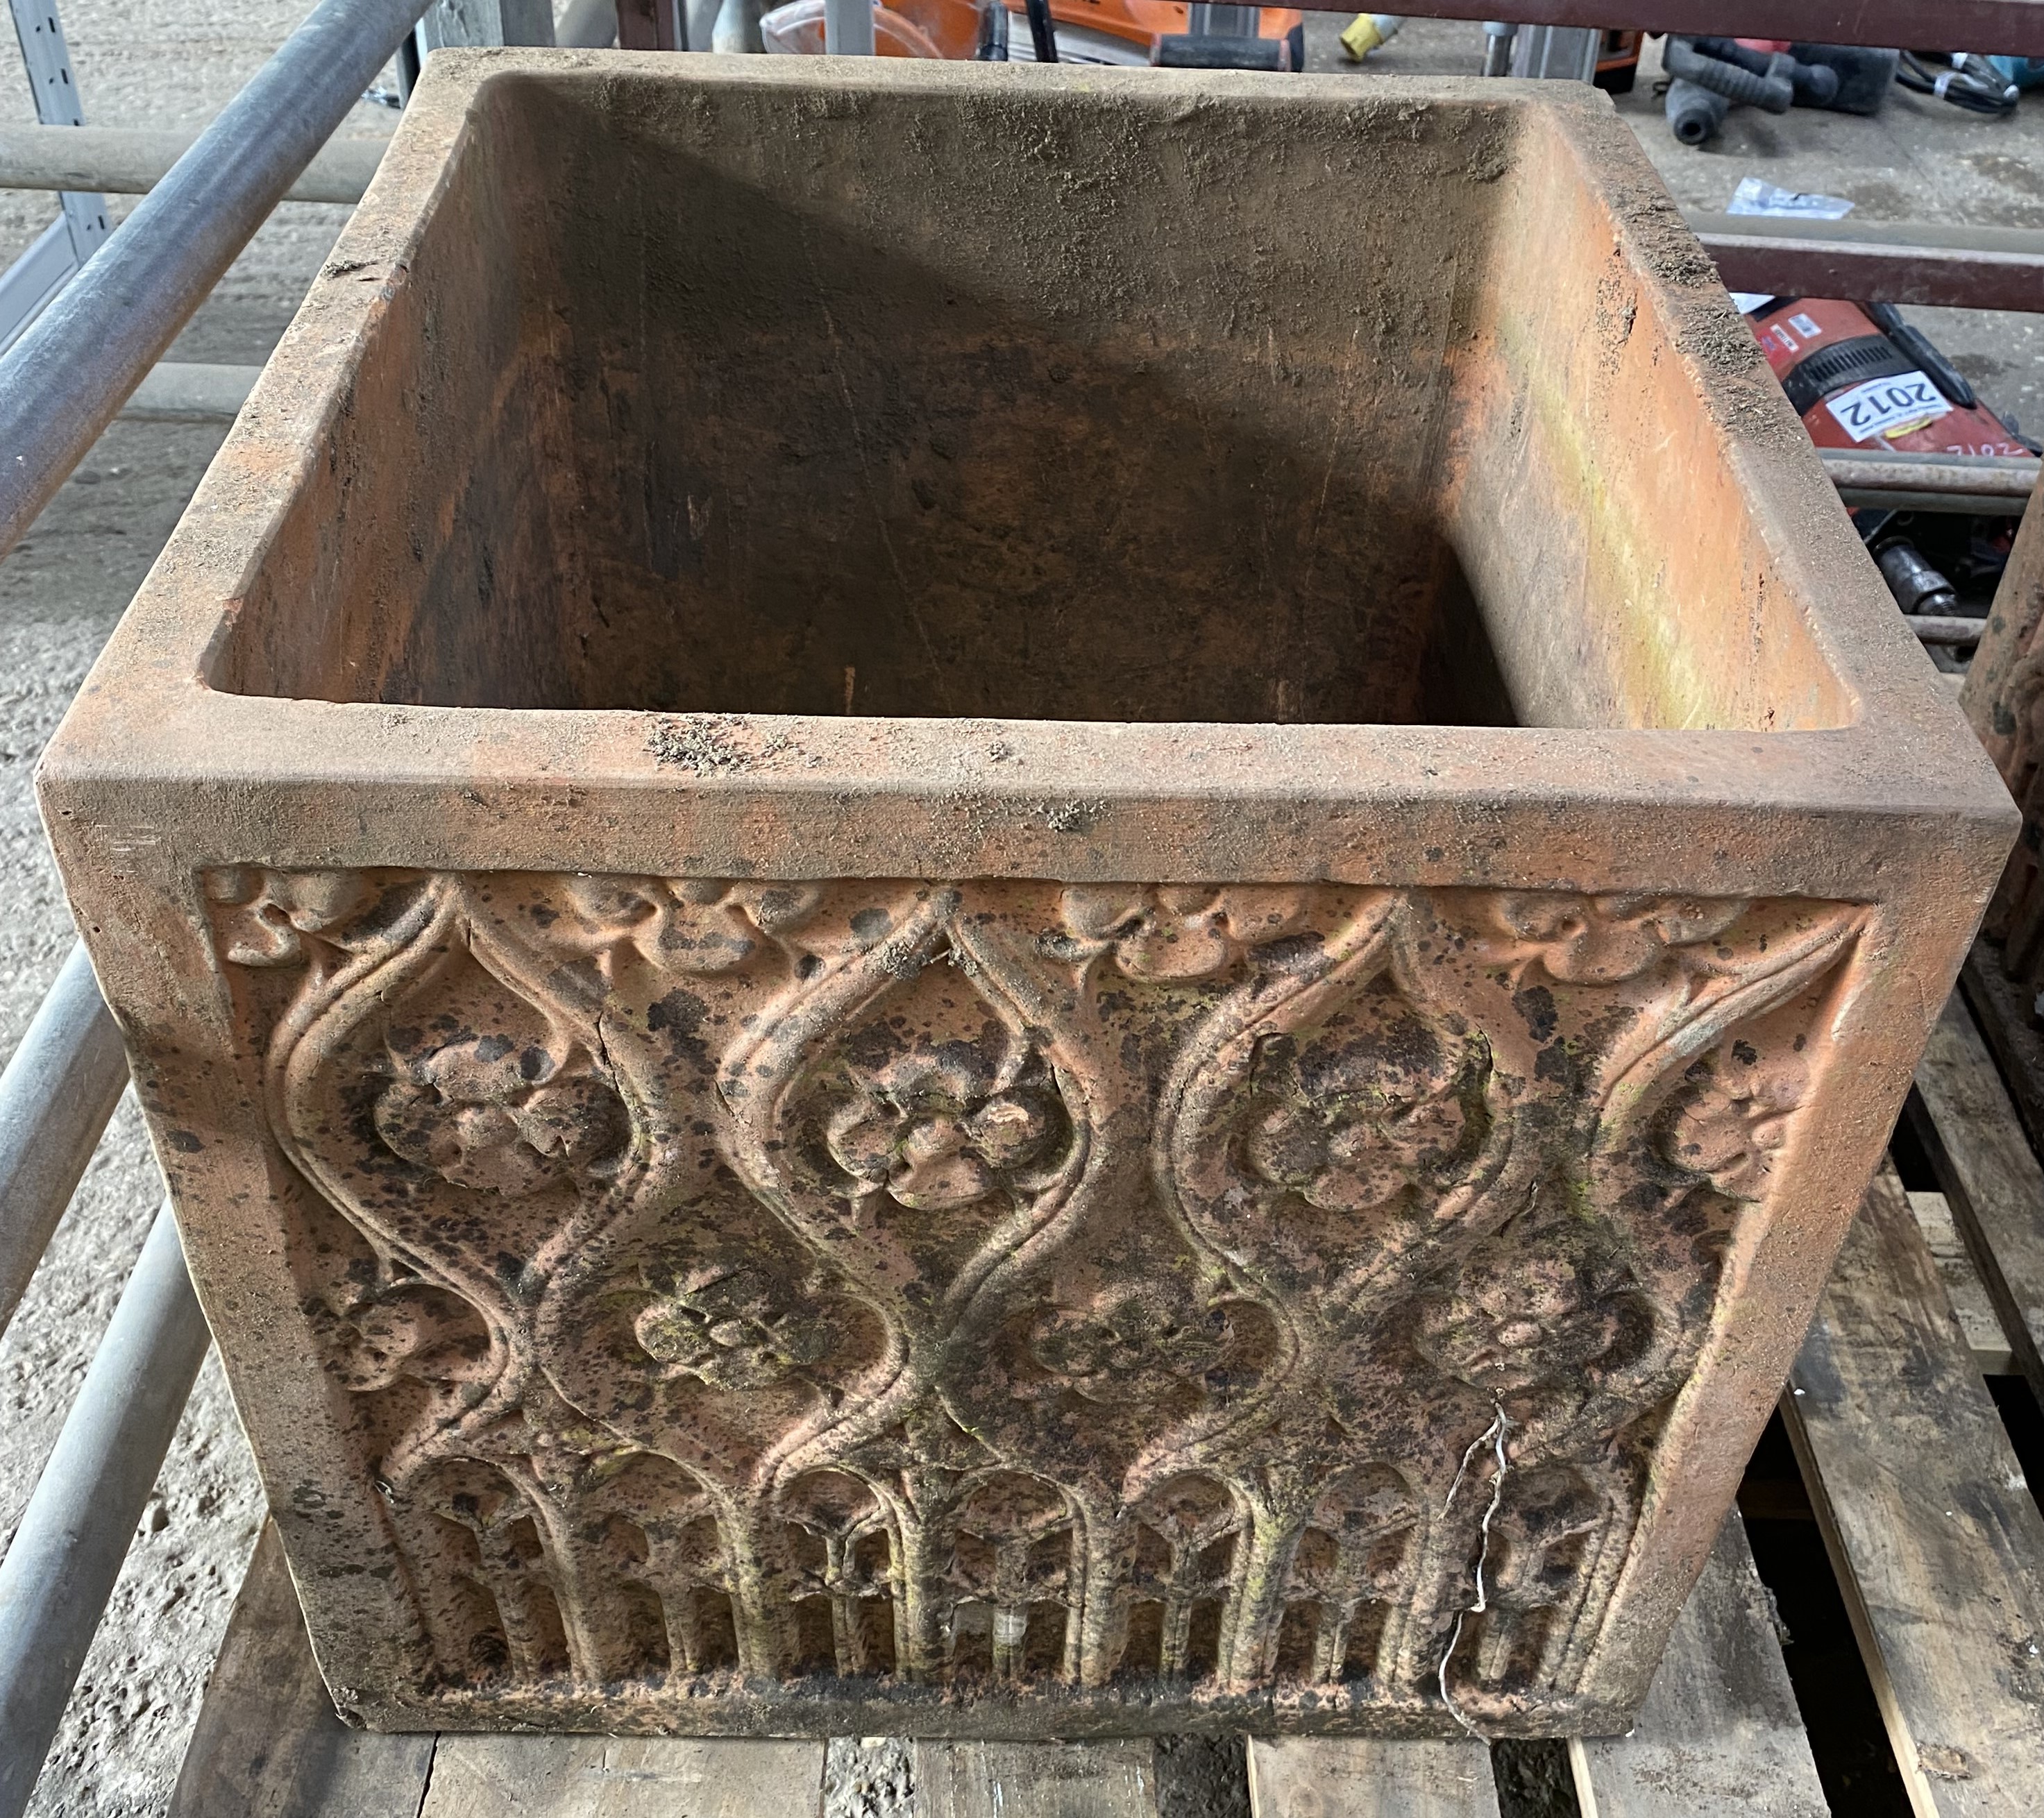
(172, 63)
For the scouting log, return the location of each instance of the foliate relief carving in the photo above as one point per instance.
(1011, 1286)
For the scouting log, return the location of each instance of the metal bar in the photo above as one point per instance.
(1934, 628)
(68, 1552)
(1879, 262)
(445, 22)
(28, 285)
(60, 1086)
(62, 381)
(1930, 499)
(2014, 26)
(587, 25)
(652, 25)
(848, 28)
(1556, 53)
(1989, 485)
(125, 163)
(47, 57)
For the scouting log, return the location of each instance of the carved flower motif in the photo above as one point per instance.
(1177, 931)
(1348, 1130)
(729, 1328)
(1515, 1321)
(1732, 1129)
(1139, 1341)
(271, 911)
(1354, 1153)
(929, 1130)
(487, 1113)
(1604, 940)
(370, 1338)
(699, 925)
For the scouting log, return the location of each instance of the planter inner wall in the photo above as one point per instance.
(718, 403)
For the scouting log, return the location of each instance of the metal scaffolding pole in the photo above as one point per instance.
(62, 382)
(68, 1552)
(60, 1086)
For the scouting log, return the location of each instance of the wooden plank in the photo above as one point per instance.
(1035, 1779)
(1719, 1736)
(1961, 1113)
(1979, 1324)
(1316, 1777)
(618, 1776)
(267, 1743)
(2005, 1017)
(1938, 1549)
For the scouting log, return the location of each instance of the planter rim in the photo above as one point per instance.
(1907, 757)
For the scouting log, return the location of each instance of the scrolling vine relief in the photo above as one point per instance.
(1009, 1286)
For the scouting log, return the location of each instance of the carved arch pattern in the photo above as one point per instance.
(1002, 1284)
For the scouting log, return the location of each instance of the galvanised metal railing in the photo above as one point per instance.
(60, 384)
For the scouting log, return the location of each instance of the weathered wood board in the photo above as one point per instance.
(618, 1776)
(1961, 1113)
(1035, 1780)
(1938, 1547)
(1719, 1736)
(1303, 1777)
(1979, 1323)
(267, 1743)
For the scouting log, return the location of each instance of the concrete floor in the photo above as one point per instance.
(173, 63)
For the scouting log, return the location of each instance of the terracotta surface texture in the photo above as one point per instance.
(2003, 698)
(1007, 901)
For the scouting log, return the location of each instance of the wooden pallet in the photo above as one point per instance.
(1938, 1547)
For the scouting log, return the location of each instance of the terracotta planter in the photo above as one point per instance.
(1012, 901)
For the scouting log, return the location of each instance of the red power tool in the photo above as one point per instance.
(1861, 381)
(1861, 377)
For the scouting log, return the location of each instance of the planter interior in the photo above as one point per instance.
(1009, 901)
(711, 409)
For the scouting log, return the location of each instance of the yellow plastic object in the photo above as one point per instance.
(1365, 32)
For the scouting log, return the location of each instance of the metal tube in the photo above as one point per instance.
(122, 161)
(1975, 484)
(68, 1552)
(848, 28)
(61, 383)
(59, 1089)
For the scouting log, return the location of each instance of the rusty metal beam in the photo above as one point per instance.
(1880, 262)
(2013, 26)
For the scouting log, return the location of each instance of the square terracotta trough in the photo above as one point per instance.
(1003, 901)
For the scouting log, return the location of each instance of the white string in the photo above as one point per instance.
(1492, 1436)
